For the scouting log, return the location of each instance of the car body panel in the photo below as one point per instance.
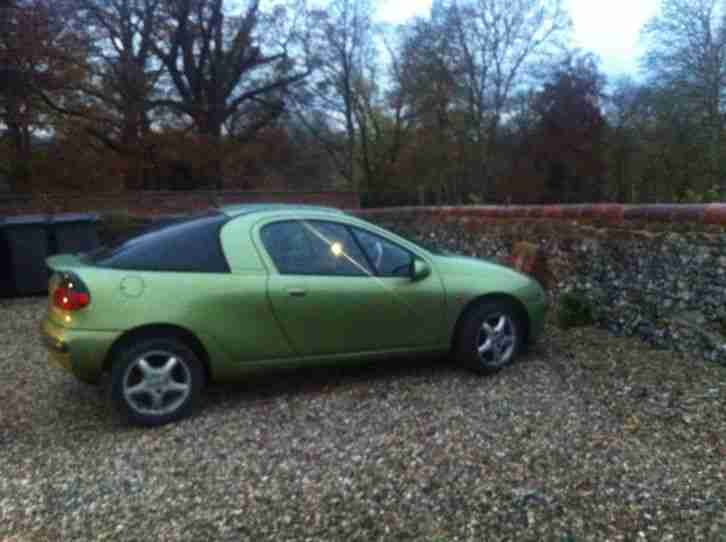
(356, 359)
(246, 319)
(469, 279)
(78, 351)
(345, 315)
(229, 313)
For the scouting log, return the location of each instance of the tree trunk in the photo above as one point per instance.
(130, 144)
(210, 128)
(20, 167)
(350, 147)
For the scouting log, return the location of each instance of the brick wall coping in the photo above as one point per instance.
(153, 193)
(161, 203)
(710, 214)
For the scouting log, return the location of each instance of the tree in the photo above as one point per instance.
(427, 86)
(687, 56)
(622, 110)
(675, 158)
(465, 64)
(123, 78)
(569, 141)
(497, 44)
(383, 121)
(222, 65)
(342, 35)
(41, 56)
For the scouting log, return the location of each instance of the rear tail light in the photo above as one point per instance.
(71, 293)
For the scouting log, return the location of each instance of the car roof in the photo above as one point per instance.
(246, 209)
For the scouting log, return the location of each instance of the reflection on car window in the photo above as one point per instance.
(313, 248)
(336, 253)
(289, 247)
(388, 259)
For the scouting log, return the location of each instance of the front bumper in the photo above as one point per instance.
(534, 299)
(79, 352)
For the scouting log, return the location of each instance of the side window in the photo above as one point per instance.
(314, 248)
(186, 246)
(388, 259)
(335, 250)
(289, 247)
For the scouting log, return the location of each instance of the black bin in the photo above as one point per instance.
(7, 288)
(24, 248)
(73, 233)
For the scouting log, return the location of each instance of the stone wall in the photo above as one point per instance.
(151, 203)
(656, 272)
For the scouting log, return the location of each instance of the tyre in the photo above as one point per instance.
(156, 381)
(491, 337)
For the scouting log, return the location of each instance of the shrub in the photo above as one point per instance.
(574, 310)
(714, 194)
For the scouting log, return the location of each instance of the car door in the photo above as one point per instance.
(329, 299)
(416, 303)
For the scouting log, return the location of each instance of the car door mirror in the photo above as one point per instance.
(419, 269)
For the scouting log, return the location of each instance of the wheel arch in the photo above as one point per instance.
(155, 331)
(521, 310)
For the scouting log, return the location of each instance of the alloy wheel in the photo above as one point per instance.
(157, 383)
(497, 340)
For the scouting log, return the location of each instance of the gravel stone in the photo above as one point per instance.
(588, 437)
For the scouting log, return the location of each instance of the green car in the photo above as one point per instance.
(214, 297)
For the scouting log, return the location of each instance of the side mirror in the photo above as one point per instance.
(419, 269)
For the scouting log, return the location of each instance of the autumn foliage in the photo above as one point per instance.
(477, 102)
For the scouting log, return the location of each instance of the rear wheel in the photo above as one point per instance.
(492, 336)
(156, 381)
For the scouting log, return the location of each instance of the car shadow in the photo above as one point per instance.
(94, 414)
(301, 383)
(304, 382)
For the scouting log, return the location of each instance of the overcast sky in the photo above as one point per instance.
(608, 28)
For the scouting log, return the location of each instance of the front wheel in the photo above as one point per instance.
(156, 381)
(491, 337)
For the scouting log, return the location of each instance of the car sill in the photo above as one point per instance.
(362, 356)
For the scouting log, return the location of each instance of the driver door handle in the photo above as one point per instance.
(297, 292)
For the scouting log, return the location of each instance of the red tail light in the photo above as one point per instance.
(71, 294)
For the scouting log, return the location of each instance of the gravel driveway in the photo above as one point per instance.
(588, 438)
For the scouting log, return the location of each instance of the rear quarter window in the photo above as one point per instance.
(190, 246)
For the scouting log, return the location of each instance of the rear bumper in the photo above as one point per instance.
(79, 352)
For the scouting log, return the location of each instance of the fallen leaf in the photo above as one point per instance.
(632, 424)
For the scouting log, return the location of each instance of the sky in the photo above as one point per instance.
(609, 28)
